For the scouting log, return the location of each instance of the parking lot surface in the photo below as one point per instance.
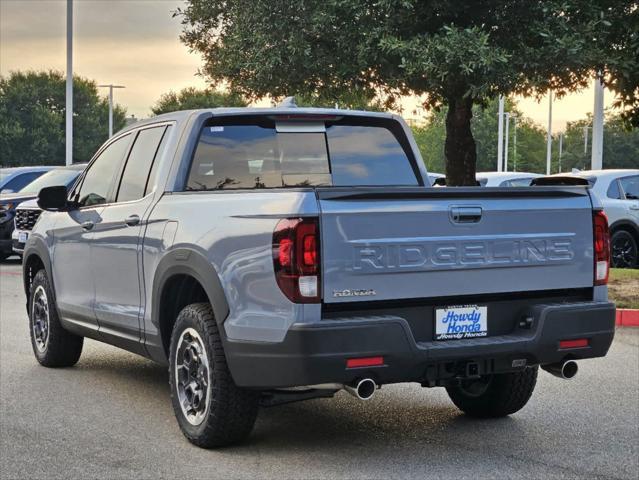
(110, 417)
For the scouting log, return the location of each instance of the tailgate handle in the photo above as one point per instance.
(465, 214)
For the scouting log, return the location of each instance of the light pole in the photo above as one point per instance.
(500, 133)
(507, 120)
(596, 158)
(561, 148)
(68, 131)
(514, 117)
(586, 128)
(549, 134)
(111, 87)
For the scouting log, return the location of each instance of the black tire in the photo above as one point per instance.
(494, 395)
(58, 348)
(623, 249)
(229, 412)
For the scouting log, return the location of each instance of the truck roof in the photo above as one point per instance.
(183, 115)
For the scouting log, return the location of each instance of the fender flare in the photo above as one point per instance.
(37, 246)
(188, 261)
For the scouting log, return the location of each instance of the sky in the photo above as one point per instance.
(136, 43)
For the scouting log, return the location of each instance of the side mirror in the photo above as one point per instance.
(53, 198)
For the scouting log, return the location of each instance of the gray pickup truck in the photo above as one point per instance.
(274, 255)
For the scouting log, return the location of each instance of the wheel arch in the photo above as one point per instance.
(625, 225)
(34, 258)
(182, 277)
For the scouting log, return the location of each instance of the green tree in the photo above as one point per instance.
(457, 53)
(620, 146)
(32, 118)
(526, 146)
(191, 98)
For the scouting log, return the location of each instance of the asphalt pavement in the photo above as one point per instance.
(110, 417)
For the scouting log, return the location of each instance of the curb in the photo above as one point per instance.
(627, 317)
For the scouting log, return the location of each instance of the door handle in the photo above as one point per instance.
(88, 225)
(465, 214)
(634, 206)
(132, 220)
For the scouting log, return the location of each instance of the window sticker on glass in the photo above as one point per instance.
(217, 129)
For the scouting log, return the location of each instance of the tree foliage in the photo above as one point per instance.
(192, 98)
(526, 146)
(460, 54)
(620, 146)
(32, 118)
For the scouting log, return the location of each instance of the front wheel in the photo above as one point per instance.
(624, 249)
(495, 395)
(211, 410)
(52, 345)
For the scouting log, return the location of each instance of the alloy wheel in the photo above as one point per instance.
(192, 376)
(624, 251)
(40, 318)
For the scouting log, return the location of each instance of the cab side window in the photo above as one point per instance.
(136, 171)
(98, 179)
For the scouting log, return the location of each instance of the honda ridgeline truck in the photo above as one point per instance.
(274, 255)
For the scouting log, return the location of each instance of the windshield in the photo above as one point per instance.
(52, 179)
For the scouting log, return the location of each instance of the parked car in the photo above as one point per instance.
(618, 190)
(9, 202)
(433, 177)
(15, 179)
(281, 254)
(494, 179)
(506, 179)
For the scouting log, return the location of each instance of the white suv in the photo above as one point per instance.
(619, 193)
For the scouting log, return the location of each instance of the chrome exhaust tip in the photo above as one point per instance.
(363, 389)
(565, 370)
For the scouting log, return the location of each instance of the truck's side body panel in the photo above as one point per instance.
(234, 232)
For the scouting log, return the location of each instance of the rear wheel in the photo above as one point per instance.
(494, 395)
(623, 247)
(211, 410)
(52, 345)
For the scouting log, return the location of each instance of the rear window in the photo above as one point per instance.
(234, 156)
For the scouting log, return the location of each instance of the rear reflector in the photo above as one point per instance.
(578, 343)
(602, 247)
(364, 362)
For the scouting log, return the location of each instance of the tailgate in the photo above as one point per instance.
(399, 243)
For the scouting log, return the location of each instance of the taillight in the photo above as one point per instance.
(602, 247)
(296, 259)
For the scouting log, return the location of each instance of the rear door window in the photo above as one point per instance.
(254, 156)
(137, 168)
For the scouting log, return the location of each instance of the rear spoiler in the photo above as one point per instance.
(560, 181)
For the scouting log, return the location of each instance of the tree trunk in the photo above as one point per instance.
(459, 149)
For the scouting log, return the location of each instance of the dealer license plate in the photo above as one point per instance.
(457, 322)
(22, 237)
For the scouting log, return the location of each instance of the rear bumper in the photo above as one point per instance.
(314, 354)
